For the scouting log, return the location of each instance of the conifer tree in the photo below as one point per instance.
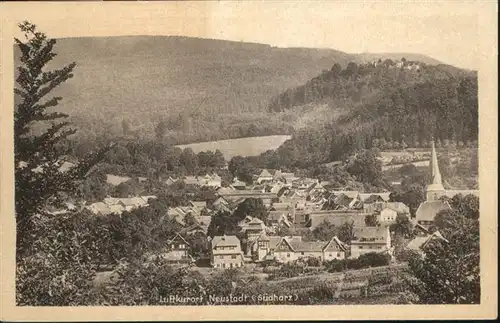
(37, 153)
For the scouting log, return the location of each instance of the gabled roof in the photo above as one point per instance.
(350, 194)
(179, 238)
(285, 242)
(265, 173)
(335, 245)
(116, 180)
(374, 197)
(420, 242)
(370, 234)
(99, 208)
(203, 219)
(399, 207)
(199, 204)
(282, 206)
(223, 241)
(428, 210)
(308, 246)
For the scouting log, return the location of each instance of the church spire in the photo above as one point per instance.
(436, 175)
(435, 189)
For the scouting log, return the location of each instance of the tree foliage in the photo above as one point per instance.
(38, 136)
(449, 272)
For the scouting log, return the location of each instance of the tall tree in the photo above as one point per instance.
(37, 153)
(449, 272)
(253, 207)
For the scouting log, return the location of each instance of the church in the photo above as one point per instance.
(433, 204)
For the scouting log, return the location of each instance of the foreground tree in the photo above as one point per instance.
(37, 153)
(449, 272)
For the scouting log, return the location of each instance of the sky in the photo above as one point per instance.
(445, 30)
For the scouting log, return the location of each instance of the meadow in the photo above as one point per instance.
(249, 146)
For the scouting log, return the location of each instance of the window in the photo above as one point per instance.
(173, 246)
(329, 255)
(360, 247)
(233, 257)
(221, 257)
(288, 255)
(338, 254)
(223, 265)
(302, 253)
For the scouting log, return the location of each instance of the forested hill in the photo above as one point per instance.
(402, 103)
(181, 89)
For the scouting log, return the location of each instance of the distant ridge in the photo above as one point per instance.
(202, 89)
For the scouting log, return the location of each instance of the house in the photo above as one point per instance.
(279, 219)
(170, 181)
(198, 204)
(237, 184)
(303, 184)
(289, 250)
(369, 198)
(315, 190)
(263, 247)
(233, 195)
(116, 180)
(252, 227)
(178, 214)
(420, 242)
(195, 228)
(213, 180)
(344, 201)
(399, 207)
(203, 219)
(428, 210)
(335, 217)
(226, 252)
(131, 203)
(264, 176)
(99, 208)
(349, 194)
(370, 239)
(177, 250)
(191, 180)
(387, 215)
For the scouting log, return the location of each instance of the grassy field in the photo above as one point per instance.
(250, 146)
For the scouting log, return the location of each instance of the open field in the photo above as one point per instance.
(249, 146)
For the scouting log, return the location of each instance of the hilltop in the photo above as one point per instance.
(381, 104)
(183, 89)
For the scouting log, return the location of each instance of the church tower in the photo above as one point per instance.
(434, 190)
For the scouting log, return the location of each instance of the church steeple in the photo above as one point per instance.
(435, 190)
(436, 175)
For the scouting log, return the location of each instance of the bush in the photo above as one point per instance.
(371, 259)
(313, 262)
(289, 270)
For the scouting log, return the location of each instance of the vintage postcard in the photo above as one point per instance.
(243, 160)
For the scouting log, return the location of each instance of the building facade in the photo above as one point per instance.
(226, 252)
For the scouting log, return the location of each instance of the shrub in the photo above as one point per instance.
(314, 262)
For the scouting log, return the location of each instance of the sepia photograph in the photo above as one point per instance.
(215, 154)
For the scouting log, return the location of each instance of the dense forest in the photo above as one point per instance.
(403, 103)
(183, 90)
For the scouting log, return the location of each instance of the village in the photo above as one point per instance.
(229, 172)
(294, 207)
